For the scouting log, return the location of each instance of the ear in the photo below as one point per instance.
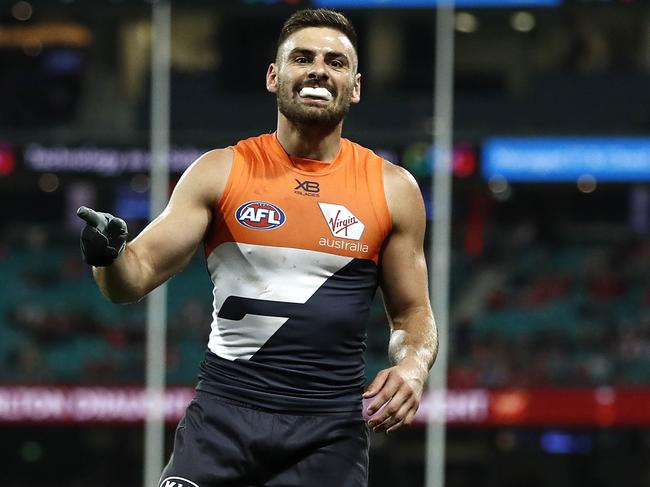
(272, 79)
(356, 89)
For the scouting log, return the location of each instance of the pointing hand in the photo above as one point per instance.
(103, 238)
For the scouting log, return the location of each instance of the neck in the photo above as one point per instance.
(308, 141)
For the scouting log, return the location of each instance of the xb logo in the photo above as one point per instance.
(307, 188)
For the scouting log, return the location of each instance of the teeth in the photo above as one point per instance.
(322, 93)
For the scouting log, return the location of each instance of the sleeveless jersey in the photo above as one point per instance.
(292, 251)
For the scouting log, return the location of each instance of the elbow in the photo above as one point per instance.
(121, 295)
(123, 299)
(118, 290)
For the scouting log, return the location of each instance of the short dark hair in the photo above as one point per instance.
(319, 17)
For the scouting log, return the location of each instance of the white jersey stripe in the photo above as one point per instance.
(242, 270)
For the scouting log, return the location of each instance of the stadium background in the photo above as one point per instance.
(549, 362)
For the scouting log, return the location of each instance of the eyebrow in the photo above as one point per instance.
(331, 54)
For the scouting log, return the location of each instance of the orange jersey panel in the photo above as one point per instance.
(275, 200)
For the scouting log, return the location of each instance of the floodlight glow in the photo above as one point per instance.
(466, 22)
(522, 21)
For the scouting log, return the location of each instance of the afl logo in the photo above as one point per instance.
(260, 215)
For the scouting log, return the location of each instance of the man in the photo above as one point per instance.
(298, 227)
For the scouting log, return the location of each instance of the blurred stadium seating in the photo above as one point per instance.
(573, 314)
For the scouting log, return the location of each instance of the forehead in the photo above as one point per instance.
(319, 39)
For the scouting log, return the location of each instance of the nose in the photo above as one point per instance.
(318, 69)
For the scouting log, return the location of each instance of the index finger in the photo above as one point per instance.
(90, 216)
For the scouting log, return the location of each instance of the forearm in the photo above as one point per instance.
(414, 340)
(124, 281)
(396, 391)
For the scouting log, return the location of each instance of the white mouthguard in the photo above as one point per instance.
(322, 93)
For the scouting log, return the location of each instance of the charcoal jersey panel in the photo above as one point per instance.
(292, 253)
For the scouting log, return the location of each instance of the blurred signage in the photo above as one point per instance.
(418, 159)
(273, 2)
(464, 161)
(130, 204)
(433, 3)
(86, 404)
(101, 160)
(46, 34)
(563, 443)
(600, 407)
(7, 159)
(471, 406)
(557, 159)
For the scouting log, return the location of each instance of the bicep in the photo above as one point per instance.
(404, 280)
(169, 241)
(167, 244)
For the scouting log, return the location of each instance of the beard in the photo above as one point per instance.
(327, 117)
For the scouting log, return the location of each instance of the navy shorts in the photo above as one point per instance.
(220, 443)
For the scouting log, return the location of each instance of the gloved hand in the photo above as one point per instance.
(103, 238)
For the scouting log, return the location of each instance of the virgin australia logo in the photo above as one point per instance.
(341, 222)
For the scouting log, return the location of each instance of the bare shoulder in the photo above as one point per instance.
(206, 177)
(213, 165)
(395, 174)
(402, 193)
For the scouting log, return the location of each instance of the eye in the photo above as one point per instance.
(336, 63)
(301, 60)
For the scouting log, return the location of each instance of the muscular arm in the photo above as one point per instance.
(404, 280)
(166, 245)
(414, 342)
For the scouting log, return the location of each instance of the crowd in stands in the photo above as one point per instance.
(575, 313)
(56, 327)
(529, 315)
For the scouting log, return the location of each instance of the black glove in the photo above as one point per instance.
(103, 238)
